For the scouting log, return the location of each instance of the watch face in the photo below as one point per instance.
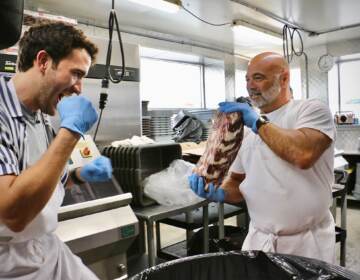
(326, 62)
(264, 118)
(261, 121)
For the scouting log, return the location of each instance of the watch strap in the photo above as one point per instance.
(261, 121)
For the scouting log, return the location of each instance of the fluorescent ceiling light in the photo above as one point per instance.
(170, 6)
(252, 34)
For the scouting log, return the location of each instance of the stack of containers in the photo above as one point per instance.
(145, 119)
(131, 165)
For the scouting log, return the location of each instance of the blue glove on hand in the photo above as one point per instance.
(99, 170)
(197, 184)
(77, 114)
(215, 193)
(249, 115)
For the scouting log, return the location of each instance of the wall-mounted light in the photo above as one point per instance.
(170, 6)
(255, 34)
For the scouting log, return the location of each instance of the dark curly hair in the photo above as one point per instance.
(58, 39)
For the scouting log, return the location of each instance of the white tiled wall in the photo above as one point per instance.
(347, 137)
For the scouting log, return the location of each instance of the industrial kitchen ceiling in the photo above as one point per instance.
(317, 16)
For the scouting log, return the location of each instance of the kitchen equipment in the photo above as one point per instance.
(96, 221)
(132, 165)
(345, 117)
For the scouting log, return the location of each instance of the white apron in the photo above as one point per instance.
(317, 242)
(37, 253)
(289, 206)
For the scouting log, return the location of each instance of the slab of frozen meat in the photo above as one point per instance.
(221, 147)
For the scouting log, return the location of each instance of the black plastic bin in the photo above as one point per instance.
(131, 165)
(245, 265)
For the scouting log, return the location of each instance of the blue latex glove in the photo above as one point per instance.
(99, 170)
(249, 115)
(77, 114)
(215, 193)
(197, 184)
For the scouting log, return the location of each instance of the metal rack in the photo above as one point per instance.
(151, 214)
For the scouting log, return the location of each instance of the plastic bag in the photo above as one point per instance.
(170, 186)
(246, 265)
(187, 128)
(134, 141)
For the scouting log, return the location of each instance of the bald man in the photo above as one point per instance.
(284, 168)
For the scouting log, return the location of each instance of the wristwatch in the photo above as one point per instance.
(261, 121)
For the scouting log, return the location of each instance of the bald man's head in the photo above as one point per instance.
(270, 61)
(268, 80)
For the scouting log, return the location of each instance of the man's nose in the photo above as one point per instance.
(77, 87)
(250, 84)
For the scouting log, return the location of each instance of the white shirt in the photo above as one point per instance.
(282, 198)
(34, 253)
(36, 141)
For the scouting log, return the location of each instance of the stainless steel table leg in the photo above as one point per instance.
(221, 220)
(189, 233)
(343, 213)
(150, 242)
(206, 228)
(158, 238)
(343, 226)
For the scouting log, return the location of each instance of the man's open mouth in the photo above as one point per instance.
(255, 94)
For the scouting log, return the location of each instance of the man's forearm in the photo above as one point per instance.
(29, 192)
(301, 147)
(231, 186)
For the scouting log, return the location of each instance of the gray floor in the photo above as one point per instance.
(353, 238)
(171, 235)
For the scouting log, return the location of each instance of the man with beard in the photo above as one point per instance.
(53, 59)
(284, 168)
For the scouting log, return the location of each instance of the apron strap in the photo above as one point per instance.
(270, 243)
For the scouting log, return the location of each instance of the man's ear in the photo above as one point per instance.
(42, 61)
(284, 79)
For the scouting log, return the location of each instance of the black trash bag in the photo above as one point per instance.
(233, 239)
(187, 128)
(245, 265)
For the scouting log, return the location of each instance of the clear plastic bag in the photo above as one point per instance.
(170, 186)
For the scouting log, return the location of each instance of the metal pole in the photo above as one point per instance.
(206, 227)
(307, 75)
(203, 87)
(339, 87)
(221, 221)
(150, 243)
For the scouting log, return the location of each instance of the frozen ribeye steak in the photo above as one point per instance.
(221, 147)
